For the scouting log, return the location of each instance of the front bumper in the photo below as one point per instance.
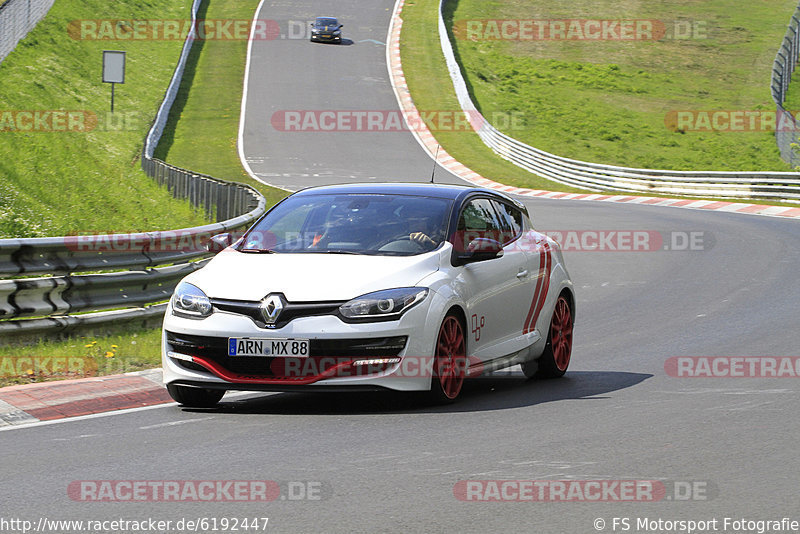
(326, 37)
(393, 355)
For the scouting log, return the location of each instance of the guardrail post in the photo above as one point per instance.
(227, 206)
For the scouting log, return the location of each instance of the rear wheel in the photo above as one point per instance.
(554, 360)
(450, 361)
(195, 397)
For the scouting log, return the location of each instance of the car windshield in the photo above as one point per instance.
(385, 225)
(327, 22)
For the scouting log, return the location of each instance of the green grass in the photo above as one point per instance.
(606, 101)
(60, 182)
(122, 353)
(431, 88)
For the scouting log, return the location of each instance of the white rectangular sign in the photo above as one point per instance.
(113, 66)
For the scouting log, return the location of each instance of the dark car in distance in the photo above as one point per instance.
(326, 29)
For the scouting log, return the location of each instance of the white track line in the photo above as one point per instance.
(243, 110)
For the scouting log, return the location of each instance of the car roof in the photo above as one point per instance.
(448, 191)
(334, 18)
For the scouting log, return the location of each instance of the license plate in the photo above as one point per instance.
(273, 348)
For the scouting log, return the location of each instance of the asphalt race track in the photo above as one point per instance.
(291, 75)
(387, 463)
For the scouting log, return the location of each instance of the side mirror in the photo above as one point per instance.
(480, 249)
(341, 25)
(219, 242)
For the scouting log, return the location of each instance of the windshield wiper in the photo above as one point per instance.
(257, 250)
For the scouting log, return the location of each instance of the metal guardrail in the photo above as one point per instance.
(135, 269)
(774, 186)
(782, 69)
(146, 268)
(153, 136)
(17, 18)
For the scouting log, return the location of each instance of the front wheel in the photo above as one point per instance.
(450, 361)
(195, 397)
(554, 360)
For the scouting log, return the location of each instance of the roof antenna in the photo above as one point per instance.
(435, 160)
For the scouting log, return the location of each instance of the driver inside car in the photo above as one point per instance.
(422, 230)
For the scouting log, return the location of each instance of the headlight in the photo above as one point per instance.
(383, 305)
(190, 300)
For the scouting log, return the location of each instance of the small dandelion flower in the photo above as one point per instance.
(109, 354)
(88, 346)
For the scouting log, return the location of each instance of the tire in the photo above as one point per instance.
(195, 397)
(555, 359)
(450, 361)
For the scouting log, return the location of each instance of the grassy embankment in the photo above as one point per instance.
(66, 180)
(201, 136)
(605, 101)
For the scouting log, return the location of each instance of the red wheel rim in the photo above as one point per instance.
(451, 357)
(561, 334)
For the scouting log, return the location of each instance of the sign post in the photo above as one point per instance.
(113, 70)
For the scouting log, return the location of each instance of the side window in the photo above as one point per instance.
(511, 219)
(478, 219)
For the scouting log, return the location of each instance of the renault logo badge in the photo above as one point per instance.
(271, 307)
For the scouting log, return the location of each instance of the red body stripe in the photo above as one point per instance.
(530, 320)
(525, 329)
(237, 378)
(545, 287)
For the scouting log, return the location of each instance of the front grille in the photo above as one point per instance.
(324, 353)
(291, 311)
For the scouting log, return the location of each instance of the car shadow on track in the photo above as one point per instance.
(343, 42)
(511, 390)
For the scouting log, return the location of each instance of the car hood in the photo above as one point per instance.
(308, 277)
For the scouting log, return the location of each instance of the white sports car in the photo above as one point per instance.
(409, 287)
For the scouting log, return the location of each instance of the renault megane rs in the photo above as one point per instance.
(407, 287)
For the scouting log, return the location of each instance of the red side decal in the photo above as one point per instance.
(542, 285)
(525, 328)
(545, 287)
